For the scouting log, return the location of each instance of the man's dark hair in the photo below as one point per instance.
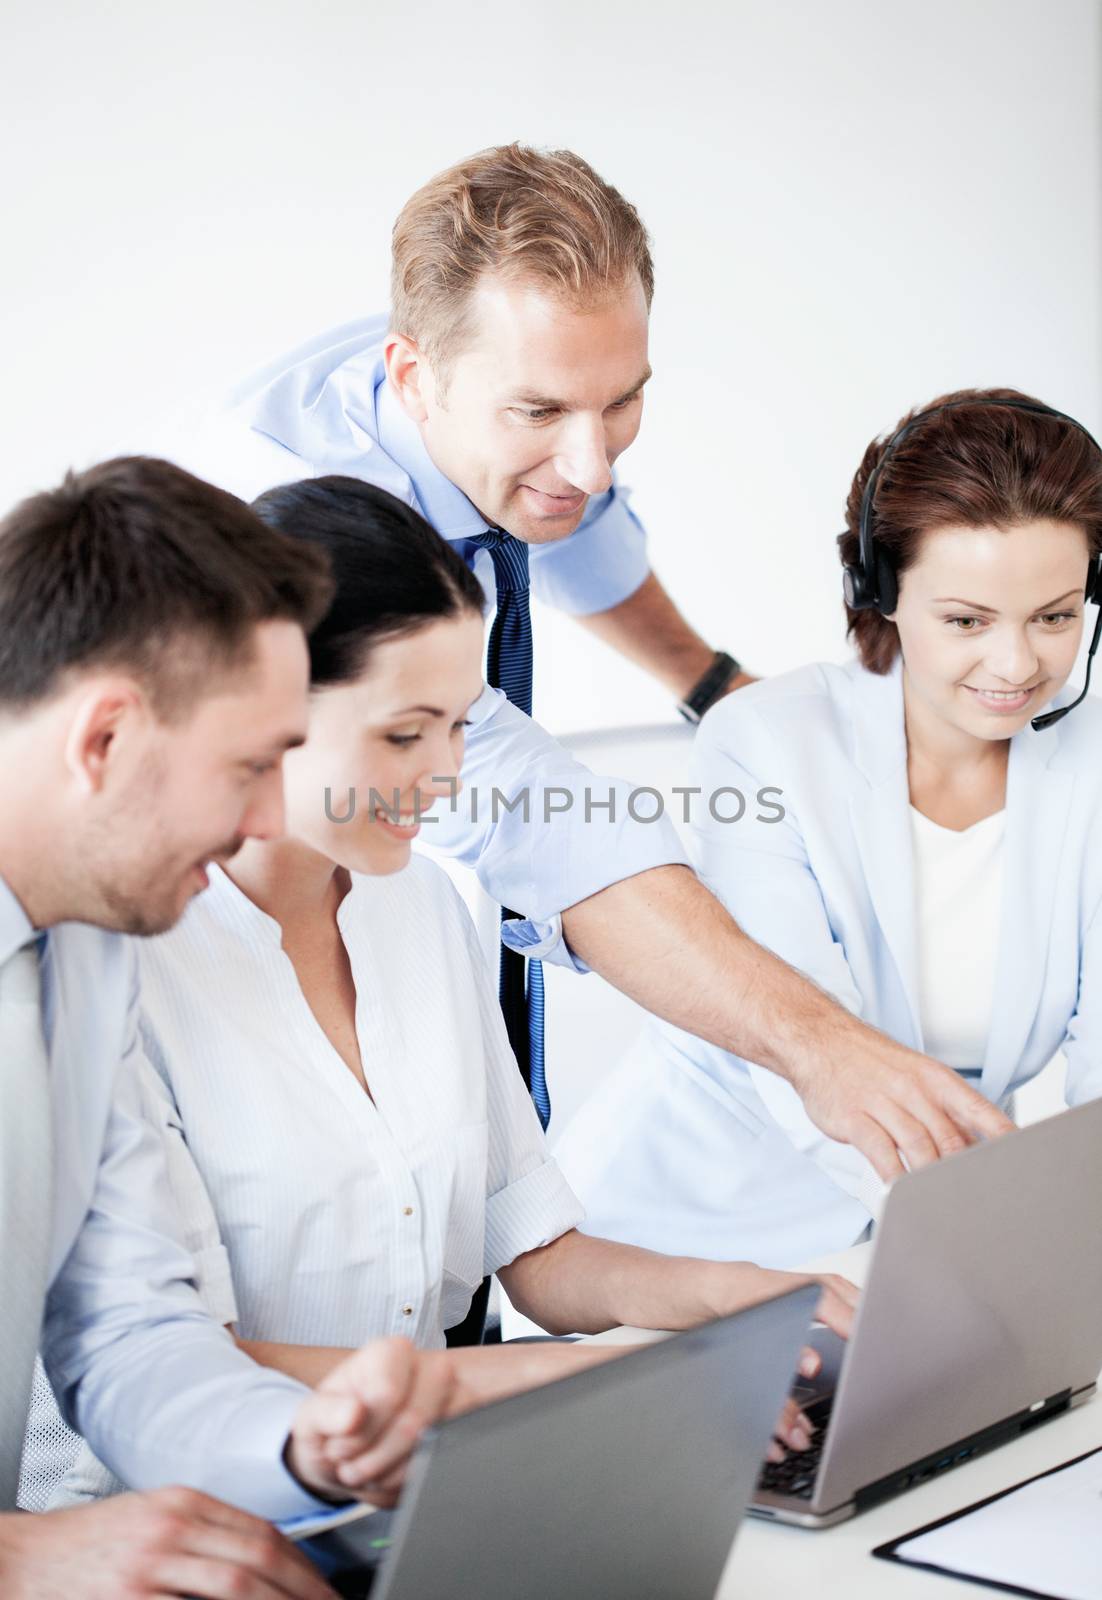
(137, 566)
(392, 573)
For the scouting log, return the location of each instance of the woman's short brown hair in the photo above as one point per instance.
(981, 466)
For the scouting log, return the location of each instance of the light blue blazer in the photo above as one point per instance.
(687, 1148)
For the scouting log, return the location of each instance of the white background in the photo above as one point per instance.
(855, 205)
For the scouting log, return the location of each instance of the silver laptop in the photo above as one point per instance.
(629, 1479)
(981, 1318)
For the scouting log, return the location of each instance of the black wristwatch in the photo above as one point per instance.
(708, 689)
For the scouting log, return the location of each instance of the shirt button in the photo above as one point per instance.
(407, 1211)
(407, 1311)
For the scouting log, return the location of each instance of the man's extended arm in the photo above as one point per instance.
(666, 941)
(648, 628)
(638, 915)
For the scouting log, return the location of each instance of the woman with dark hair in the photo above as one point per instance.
(350, 1140)
(930, 858)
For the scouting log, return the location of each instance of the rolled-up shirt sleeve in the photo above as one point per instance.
(528, 1201)
(153, 1383)
(602, 562)
(541, 830)
(541, 941)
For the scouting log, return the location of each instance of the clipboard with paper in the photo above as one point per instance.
(1041, 1538)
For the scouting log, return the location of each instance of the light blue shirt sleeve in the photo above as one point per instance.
(541, 830)
(602, 562)
(156, 1386)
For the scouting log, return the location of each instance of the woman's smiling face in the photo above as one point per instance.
(393, 737)
(990, 621)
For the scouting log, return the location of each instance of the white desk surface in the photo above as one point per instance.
(773, 1562)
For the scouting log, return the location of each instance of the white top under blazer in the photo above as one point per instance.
(688, 1148)
(958, 879)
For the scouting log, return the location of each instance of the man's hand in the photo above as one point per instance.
(174, 1542)
(355, 1433)
(663, 939)
(897, 1107)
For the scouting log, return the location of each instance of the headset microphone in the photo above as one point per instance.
(1047, 718)
(871, 584)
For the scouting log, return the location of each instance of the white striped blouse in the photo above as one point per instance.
(347, 1216)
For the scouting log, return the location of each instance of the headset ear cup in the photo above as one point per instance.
(887, 585)
(1094, 581)
(855, 588)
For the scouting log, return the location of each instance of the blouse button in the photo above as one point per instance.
(407, 1311)
(407, 1211)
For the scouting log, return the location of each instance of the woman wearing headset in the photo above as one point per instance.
(938, 865)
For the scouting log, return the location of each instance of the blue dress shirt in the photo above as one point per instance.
(157, 1387)
(328, 408)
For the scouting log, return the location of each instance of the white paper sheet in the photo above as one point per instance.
(1045, 1536)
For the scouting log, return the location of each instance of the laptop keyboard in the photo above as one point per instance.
(796, 1474)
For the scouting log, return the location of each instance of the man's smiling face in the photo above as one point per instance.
(535, 406)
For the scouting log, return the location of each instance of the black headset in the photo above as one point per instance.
(871, 584)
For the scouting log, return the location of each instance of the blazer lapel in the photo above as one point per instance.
(881, 823)
(1038, 798)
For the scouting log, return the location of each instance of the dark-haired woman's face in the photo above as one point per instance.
(383, 748)
(990, 621)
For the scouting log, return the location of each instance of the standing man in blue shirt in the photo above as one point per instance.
(496, 398)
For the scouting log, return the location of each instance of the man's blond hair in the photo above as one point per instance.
(518, 213)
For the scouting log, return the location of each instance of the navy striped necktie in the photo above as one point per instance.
(509, 668)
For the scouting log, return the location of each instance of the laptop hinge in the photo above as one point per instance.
(964, 1449)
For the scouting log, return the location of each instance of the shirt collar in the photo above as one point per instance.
(441, 502)
(318, 401)
(232, 907)
(16, 928)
